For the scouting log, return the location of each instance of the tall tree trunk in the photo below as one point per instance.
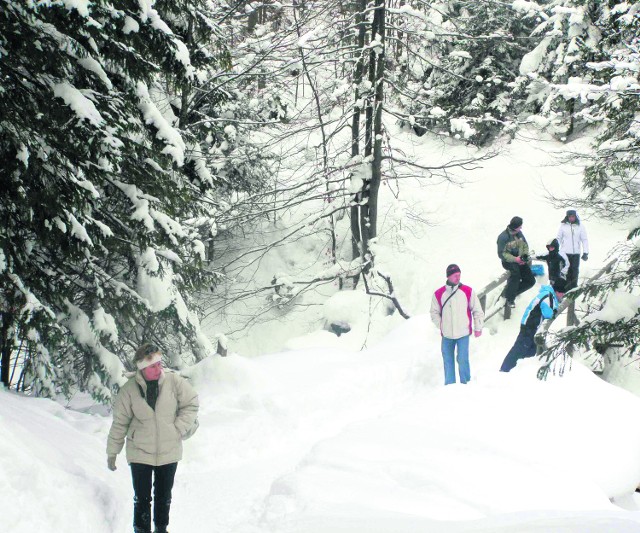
(373, 133)
(6, 347)
(252, 20)
(376, 164)
(356, 238)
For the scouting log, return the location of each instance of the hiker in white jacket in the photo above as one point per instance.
(154, 411)
(456, 311)
(572, 236)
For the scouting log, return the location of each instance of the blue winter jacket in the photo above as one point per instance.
(540, 308)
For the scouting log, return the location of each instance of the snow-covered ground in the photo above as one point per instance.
(335, 441)
(326, 437)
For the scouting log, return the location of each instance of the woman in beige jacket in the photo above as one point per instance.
(154, 411)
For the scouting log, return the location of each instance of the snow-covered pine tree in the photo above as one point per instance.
(459, 64)
(570, 37)
(96, 252)
(612, 184)
(213, 111)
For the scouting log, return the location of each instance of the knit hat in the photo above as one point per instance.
(572, 212)
(452, 269)
(560, 285)
(515, 223)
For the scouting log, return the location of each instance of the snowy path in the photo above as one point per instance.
(330, 439)
(371, 437)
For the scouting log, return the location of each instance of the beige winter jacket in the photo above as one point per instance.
(154, 437)
(457, 316)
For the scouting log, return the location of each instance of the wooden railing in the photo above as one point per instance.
(482, 296)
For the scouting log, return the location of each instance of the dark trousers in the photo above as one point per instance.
(574, 270)
(162, 484)
(525, 346)
(521, 279)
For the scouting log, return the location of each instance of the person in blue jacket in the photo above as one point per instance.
(543, 307)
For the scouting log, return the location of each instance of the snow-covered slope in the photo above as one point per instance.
(326, 437)
(425, 223)
(52, 469)
(327, 440)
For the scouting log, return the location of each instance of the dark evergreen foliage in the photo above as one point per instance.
(612, 187)
(95, 197)
(465, 84)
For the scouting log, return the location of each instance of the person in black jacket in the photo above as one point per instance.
(513, 251)
(557, 261)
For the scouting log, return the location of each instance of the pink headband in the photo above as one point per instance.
(148, 362)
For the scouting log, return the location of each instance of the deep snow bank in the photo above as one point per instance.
(332, 441)
(53, 474)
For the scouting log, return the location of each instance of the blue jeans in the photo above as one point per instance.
(448, 350)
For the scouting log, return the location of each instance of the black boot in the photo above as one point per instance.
(141, 515)
(161, 529)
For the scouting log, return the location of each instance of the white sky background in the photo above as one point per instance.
(332, 439)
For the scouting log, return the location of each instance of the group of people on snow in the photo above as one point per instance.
(565, 251)
(457, 312)
(156, 410)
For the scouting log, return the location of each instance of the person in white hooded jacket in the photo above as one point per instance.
(457, 312)
(153, 412)
(572, 236)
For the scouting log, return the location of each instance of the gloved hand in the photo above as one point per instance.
(585, 257)
(111, 462)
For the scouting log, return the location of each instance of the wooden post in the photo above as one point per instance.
(507, 311)
(221, 350)
(223, 345)
(572, 319)
(540, 340)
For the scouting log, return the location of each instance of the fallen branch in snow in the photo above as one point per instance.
(391, 296)
(282, 286)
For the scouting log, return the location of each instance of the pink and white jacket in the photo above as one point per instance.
(462, 313)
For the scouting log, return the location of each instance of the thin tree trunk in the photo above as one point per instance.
(6, 346)
(325, 154)
(373, 141)
(376, 164)
(356, 237)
